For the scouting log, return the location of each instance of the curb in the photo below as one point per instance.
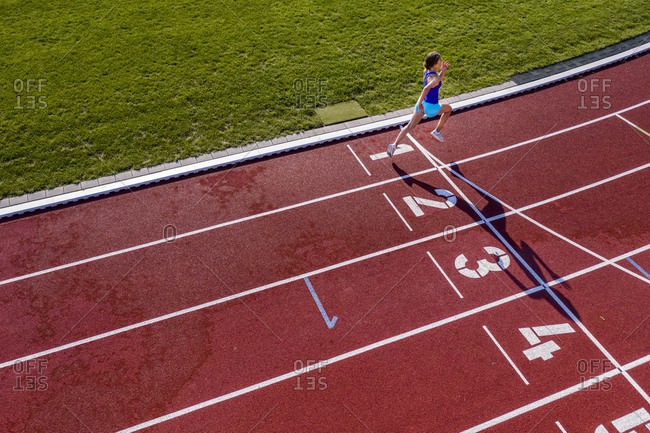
(136, 178)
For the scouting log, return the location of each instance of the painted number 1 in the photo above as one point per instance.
(484, 266)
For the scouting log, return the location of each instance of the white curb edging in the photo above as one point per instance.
(303, 142)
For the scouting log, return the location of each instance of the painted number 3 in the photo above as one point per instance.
(484, 267)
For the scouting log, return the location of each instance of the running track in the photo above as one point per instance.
(187, 306)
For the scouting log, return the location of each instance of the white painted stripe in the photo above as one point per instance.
(399, 214)
(557, 423)
(328, 197)
(632, 420)
(269, 286)
(305, 142)
(552, 134)
(547, 330)
(299, 277)
(444, 274)
(380, 343)
(330, 361)
(514, 252)
(633, 125)
(401, 148)
(557, 396)
(506, 355)
(213, 227)
(577, 190)
(553, 232)
(357, 158)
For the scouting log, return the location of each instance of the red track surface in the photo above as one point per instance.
(368, 269)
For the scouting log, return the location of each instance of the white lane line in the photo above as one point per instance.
(445, 275)
(552, 134)
(278, 283)
(353, 353)
(390, 340)
(503, 352)
(357, 158)
(557, 396)
(557, 423)
(213, 227)
(372, 346)
(581, 189)
(399, 214)
(549, 230)
(539, 280)
(162, 241)
(309, 202)
(633, 125)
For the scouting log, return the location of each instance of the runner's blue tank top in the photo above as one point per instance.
(432, 96)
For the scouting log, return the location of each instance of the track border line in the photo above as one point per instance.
(302, 276)
(341, 194)
(558, 395)
(435, 161)
(27, 203)
(505, 354)
(377, 345)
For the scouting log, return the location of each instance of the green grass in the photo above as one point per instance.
(162, 80)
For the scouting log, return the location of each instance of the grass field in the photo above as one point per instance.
(129, 84)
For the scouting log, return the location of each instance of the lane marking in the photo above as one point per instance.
(639, 268)
(548, 290)
(545, 331)
(401, 148)
(399, 214)
(549, 230)
(557, 396)
(506, 355)
(343, 134)
(633, 125)
(211, 228)
(530, 336)
(575, 191)
(544, 351)
(453, 286)
(357, 158)
(557, 423)
(324, 198)
(330, 323)
(414, 202)
(552, 134)
(279, 283)
(632, 420)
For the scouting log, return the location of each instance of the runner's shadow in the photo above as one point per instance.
(524, 250)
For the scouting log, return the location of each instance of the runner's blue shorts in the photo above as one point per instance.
(429, 109)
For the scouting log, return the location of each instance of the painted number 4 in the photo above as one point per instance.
(545, 350)
(484, 266)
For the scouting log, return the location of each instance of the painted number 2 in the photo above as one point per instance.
(484, 267)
